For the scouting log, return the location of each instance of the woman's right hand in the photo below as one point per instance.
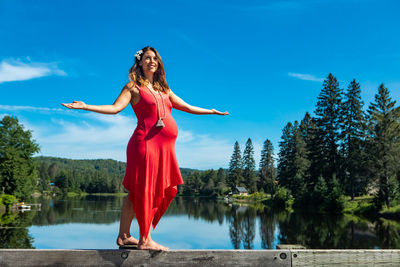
(75, 105)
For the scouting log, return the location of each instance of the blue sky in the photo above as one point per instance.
(263, 61)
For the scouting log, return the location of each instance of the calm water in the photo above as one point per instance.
(92, 222)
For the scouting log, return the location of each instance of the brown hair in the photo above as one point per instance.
(136, 74)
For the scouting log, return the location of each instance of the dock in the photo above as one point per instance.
(208, 258)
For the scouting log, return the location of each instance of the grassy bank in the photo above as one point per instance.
(255, 197)
(362, 205)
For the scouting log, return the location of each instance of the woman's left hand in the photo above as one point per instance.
(219, 112)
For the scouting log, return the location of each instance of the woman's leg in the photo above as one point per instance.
(127, 214)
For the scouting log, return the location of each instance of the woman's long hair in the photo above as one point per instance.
(136, 74)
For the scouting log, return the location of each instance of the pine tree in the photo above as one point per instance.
(353, 134)
(17, 167)
(249, 167)
(328, 120)
(235, 167)
(300, 164)
(284, 160)
(267, 169)
(384, 145)
(314, 145)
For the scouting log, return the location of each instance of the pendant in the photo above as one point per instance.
(160, 123)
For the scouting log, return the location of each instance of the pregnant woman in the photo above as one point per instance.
(152, 172)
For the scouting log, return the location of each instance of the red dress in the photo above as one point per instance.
(152, 172)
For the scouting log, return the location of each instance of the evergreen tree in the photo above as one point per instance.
(235, 167)
(328, 120)
(267, 169)
(299, 165)
(284, 160)
(249, 167)
(384, 145)
(294, 168)
(320, 193)
(353, 134)
(313, 139)
(17, 167)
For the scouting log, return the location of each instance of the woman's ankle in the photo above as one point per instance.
(124, 235)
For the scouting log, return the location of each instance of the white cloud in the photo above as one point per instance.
(27, 108)
(88, 136)
(306, 77)
(16, 70)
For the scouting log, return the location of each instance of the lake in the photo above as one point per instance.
(92, 222)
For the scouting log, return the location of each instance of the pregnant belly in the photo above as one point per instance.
(170, 130)
(167, 133)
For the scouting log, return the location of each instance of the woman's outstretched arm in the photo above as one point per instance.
(127, 93)
(179, 104)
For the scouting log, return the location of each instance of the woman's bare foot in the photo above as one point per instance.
(126, 240)
(149, 244)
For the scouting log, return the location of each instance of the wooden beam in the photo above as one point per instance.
(353, 257)
(208, 258)
(176, 258)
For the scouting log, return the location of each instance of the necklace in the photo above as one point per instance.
(160, 122)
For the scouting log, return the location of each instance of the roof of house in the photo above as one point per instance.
(241, 189)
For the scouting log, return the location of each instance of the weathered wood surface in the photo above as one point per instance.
(345, 258)
(208, 258)
(176, 258)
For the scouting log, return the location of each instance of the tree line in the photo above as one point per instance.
(341, 151)
(89, 176)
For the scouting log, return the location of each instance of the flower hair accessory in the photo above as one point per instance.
(138, 54)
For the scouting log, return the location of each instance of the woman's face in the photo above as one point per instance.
(149, 62)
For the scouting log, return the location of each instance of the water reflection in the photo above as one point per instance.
(13, 230)
(247, 226)
(89, 209)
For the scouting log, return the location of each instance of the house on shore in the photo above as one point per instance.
(241, 191)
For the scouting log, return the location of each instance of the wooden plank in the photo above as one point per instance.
(209, 258)
(367, 257)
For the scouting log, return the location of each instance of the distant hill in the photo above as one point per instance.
(109, 166)
(85, 175)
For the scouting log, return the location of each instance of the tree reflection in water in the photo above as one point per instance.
(273, 227)
(13, 230)
(268, 225)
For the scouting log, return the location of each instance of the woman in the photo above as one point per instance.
(152, 173)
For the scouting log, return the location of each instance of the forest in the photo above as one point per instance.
(343, 150)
